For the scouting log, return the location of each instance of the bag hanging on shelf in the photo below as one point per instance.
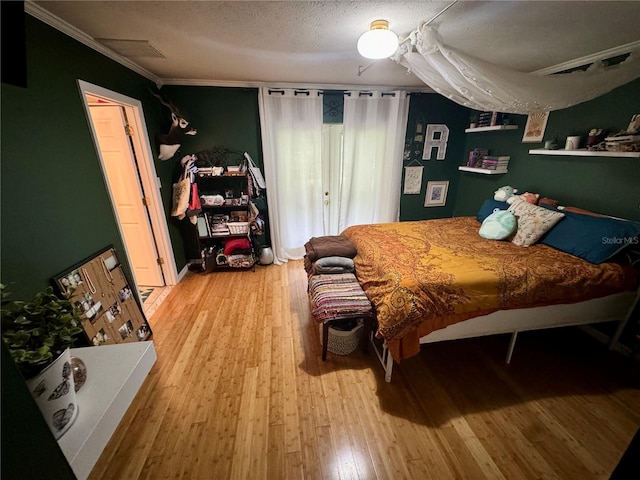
(181, 191)
(255, 172)
(260, 203)
(195, 206)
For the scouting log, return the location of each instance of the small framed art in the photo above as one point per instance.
(534, 129)
(436, 194)
(412, 180)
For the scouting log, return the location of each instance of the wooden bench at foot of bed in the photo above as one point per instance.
(334, 297)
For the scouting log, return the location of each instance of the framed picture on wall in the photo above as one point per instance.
(436, 194)
(534, 129)
(412, 180)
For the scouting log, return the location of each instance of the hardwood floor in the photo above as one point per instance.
(239, 391)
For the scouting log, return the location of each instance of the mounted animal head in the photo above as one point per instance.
(169, 143)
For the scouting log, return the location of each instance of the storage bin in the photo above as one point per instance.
(238, 228)
(343, 342)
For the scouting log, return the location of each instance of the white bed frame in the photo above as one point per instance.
(617, 307)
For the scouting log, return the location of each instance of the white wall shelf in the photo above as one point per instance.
(491, 129)
(484, 171)
(115, 373)
(584, 153)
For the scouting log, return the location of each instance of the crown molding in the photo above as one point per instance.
(589, 59)
(312, 86)
(38, 12)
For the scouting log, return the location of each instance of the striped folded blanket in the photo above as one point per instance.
(337, 296)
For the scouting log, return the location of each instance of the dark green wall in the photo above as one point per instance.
(431, 108)
(602, 184)
(55, 206)
(55, 210)
(223, 116)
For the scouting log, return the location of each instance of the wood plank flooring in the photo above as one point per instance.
(239, 391)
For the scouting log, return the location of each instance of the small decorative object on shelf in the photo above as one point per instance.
(573, 142)
(595, 139)
(473, 120)
(551, 144)
(79, 370)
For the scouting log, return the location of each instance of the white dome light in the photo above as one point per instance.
(378, 42)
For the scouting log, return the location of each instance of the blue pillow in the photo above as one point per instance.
(488, 207)
(595, 239)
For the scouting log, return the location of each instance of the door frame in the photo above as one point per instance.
(150, 182)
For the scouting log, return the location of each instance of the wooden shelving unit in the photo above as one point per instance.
(584, 153)
(484, 171)
(491, 129)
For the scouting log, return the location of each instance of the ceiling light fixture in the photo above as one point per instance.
(378, 42)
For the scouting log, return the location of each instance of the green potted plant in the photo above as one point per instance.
(38, 335)
(37, 332)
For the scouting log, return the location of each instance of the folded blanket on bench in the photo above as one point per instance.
(329, 246)
(337, 296)
(333, 265)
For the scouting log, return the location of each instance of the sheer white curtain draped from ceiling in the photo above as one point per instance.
(291, 127)
(482, 85)
(375, 124)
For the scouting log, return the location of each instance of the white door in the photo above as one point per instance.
(332, 155)
(122, 176)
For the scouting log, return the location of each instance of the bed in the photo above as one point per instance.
(436, 280)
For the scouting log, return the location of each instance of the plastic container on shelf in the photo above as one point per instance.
(238, 228)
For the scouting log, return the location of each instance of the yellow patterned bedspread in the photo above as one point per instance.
(424, 275)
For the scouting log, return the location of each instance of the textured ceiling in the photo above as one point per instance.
(311, 42)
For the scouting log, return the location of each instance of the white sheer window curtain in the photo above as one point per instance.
(291, 127)
(375, 124)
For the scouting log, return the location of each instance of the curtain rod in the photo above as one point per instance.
(340, 92)
(431, 20)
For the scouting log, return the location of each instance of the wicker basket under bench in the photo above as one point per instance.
(337, 297)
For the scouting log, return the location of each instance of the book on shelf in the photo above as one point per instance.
(493, 166)
(476, 156)
(495, 163)
(217, 224)
(490, 119)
